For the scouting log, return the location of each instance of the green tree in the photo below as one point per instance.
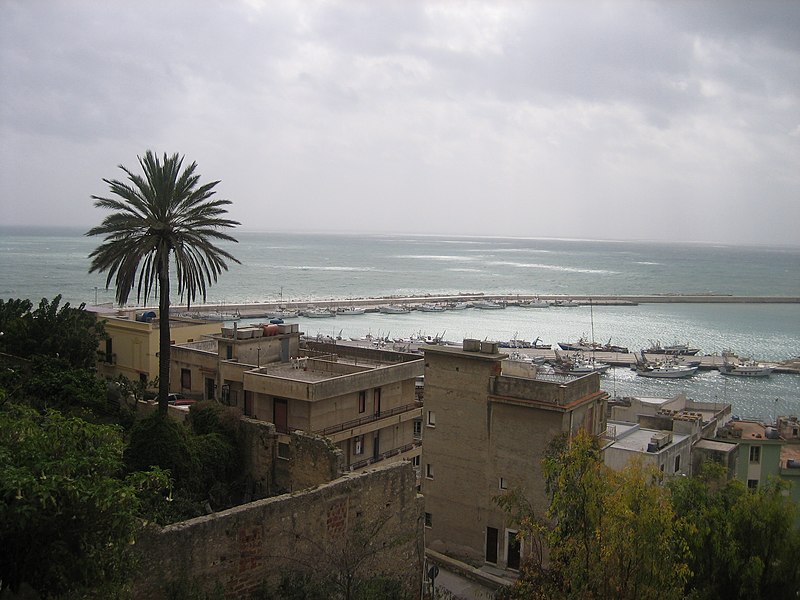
(67, 516)
(743, 543)
(165, 212)
(53, 330)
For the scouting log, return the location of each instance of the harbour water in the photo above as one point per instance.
(36, 263)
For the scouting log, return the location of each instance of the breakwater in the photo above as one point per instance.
(253, 309)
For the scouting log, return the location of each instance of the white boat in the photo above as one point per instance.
(350, 310)
(394, 309)
(569, 303)
(665, 370)
(457, 306)
(578, 364)
(428, 307)
(487, 305)
(535, 303)
(282, 314)
(318, 313)
(749, 368)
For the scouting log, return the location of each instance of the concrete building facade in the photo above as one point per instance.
(363, 400)
(131, 348)
(486, 427)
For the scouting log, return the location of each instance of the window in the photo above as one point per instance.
(283, 450)
(503, 484)
(755, 454)
(431, 419)
(417, 429)
(362, 401)
(429, 470)
(677, 463)
(186, 379)
(428, 519)
(752, 484)
(229, 351)
(415, 460)
(359, 445)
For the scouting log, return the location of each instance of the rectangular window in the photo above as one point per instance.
(431, 419)
(186, 379)
(415, 461)
(752, 483)
(677, 463)
(755, 454)
(283, 450)
(429, 470)
(428, 519)
(229, 351)
(417, 429)
(359, 445)
(376, 401)
(362, 401)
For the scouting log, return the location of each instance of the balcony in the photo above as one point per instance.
(333, 429)
(383, 456)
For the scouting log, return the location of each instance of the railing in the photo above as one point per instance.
(383, 456)
(368, 419)
(106, 358)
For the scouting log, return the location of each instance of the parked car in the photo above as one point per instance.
(180, 400)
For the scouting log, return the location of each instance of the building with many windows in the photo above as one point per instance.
(487, 423)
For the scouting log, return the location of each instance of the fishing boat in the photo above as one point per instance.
(350, 310)
(569, 303)
(318, 313)
(429, 307)
(535, 303)
(667, 369)
(282, 314)
(457, 306)
(394, 309)
(487, 305)
(748, 368)
(675, 349)
(578, 364)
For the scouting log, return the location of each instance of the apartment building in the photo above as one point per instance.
(131, 348)
(362, 399)
(487, 422)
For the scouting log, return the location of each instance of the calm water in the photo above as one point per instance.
(42, 263)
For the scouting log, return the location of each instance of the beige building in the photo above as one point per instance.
(363, 400)
(131, 348)
(487, 422)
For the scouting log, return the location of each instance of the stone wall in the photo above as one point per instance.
(371, 519)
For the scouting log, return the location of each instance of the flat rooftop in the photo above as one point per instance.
(631, 437)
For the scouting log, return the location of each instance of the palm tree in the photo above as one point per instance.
(165, 212)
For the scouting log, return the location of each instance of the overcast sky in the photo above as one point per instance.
(612, 120)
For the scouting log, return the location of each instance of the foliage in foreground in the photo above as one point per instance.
(64, 332)
(68, 516)
(627, 535)
(203, 460)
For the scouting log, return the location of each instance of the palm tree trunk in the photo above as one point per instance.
(163, 333)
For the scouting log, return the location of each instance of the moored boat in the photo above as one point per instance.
(487, 305)
(749, 368)
(318, 313)
(350, 310)
(394, 309)
(535, 303)
(676, 349)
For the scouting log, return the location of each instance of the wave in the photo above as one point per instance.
(442, 257)
(560, 268)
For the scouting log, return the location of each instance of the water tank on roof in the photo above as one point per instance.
(772, 433)
(271, 329)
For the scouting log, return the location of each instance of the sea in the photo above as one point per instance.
(279, 266)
